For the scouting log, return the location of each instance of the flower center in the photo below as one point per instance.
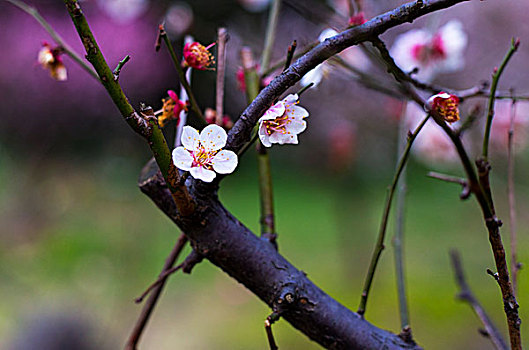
(278, 124)
(432, 51)
(202, 158)
(200, 54)
(448, 109)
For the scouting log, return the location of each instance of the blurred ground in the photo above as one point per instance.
(80, 242)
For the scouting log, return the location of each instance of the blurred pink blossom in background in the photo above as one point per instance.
(431, 53)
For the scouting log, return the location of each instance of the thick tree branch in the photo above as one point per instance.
(227, 243)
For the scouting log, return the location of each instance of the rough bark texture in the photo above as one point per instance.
(254, 262)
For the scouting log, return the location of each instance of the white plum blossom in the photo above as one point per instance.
(282, 122)
(202, 156)
(431, 53)
(353, 55)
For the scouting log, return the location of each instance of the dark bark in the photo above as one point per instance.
(222, 239)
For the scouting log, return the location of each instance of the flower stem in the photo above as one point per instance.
(56, 37)
(383, 225)
(181, 75)
(492, 95)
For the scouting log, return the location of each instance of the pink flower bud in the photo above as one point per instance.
(357, 19)
(446, 105)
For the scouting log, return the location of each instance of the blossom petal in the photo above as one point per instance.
(280, 138)
(291, 99)
(224, 162)
(190, 138)
(213, 137)
(275, 111)
(297, 112)
(263, 136)
(313, 76)
(296, 126)
(203, 174)
(182, 159)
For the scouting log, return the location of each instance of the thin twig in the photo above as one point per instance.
(270, 320)
(263, 159)
(290, 54)
(146, 312)
(266, 193)
(282, 62)
(222, 38)
(465, 190)
(365, 79)
(186, 266)
(181, 74)
(515, 265)
(492, 95)
(465, 294)
(270, 34)
(385, 215)
(510, 305)
(118, 68)
(56, 37)
(398, 238)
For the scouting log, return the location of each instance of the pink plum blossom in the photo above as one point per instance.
(431, 53)
(197, 56)
(432, 146)
(282, 122)
(202, 155)
(50, 59)
(446, 105)
(172, 107)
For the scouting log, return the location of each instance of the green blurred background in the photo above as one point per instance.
(80, 242)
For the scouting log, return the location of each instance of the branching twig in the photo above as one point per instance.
(56, 37)
(465, 294)
(145, 125)
(120, 65)
(187, 265)
(492, 95)
(290, 54)
(385, 215)
(146, 312)
(481, 189)
(241, 131)
(465, 191)
(181, 75)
